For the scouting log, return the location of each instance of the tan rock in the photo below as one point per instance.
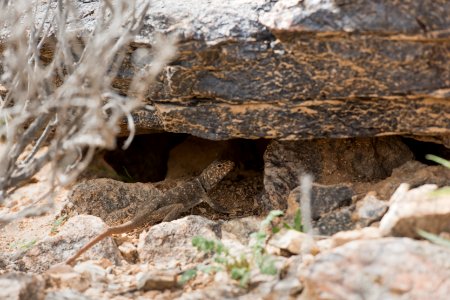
(294, 242)
(72, 236)
(21, 286)
(389, 268)
(129, 252)
(414, 209)
(413, 173)
(95, 272)
(65, 294)
(169, 245)
(69, 280)
(241, 229)
(157, 280)
(343, 237)
(369, 210)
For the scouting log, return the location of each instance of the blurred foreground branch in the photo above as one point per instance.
(65, 103)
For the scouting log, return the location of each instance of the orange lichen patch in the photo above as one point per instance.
(304, 109)
(245, 108)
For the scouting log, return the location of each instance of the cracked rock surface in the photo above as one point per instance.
(294, 69)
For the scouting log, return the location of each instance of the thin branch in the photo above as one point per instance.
(40, 141)
(72, 85)
(29, 135)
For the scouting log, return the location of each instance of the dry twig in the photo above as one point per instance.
(66, 103)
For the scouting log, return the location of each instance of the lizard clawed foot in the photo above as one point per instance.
(216, 206)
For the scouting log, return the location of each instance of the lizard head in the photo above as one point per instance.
(215, 172)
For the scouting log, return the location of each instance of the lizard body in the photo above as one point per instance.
(171, 204)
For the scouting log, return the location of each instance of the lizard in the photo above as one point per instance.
(169, 205)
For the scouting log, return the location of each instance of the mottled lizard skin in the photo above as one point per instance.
(170, 204)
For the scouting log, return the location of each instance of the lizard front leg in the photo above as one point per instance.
(173, 211)
(214, 205)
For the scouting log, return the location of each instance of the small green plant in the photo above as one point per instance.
(23, 245)
(57, 224)
(28, 245)
(264, 261)
(237, 266)
(438, 160)
(435, 239)
(297, 225)
(127, 177)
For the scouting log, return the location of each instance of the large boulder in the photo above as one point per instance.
(391, 268)
(294, 69)
(331, 162)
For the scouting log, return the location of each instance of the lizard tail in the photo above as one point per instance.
(86, 247)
